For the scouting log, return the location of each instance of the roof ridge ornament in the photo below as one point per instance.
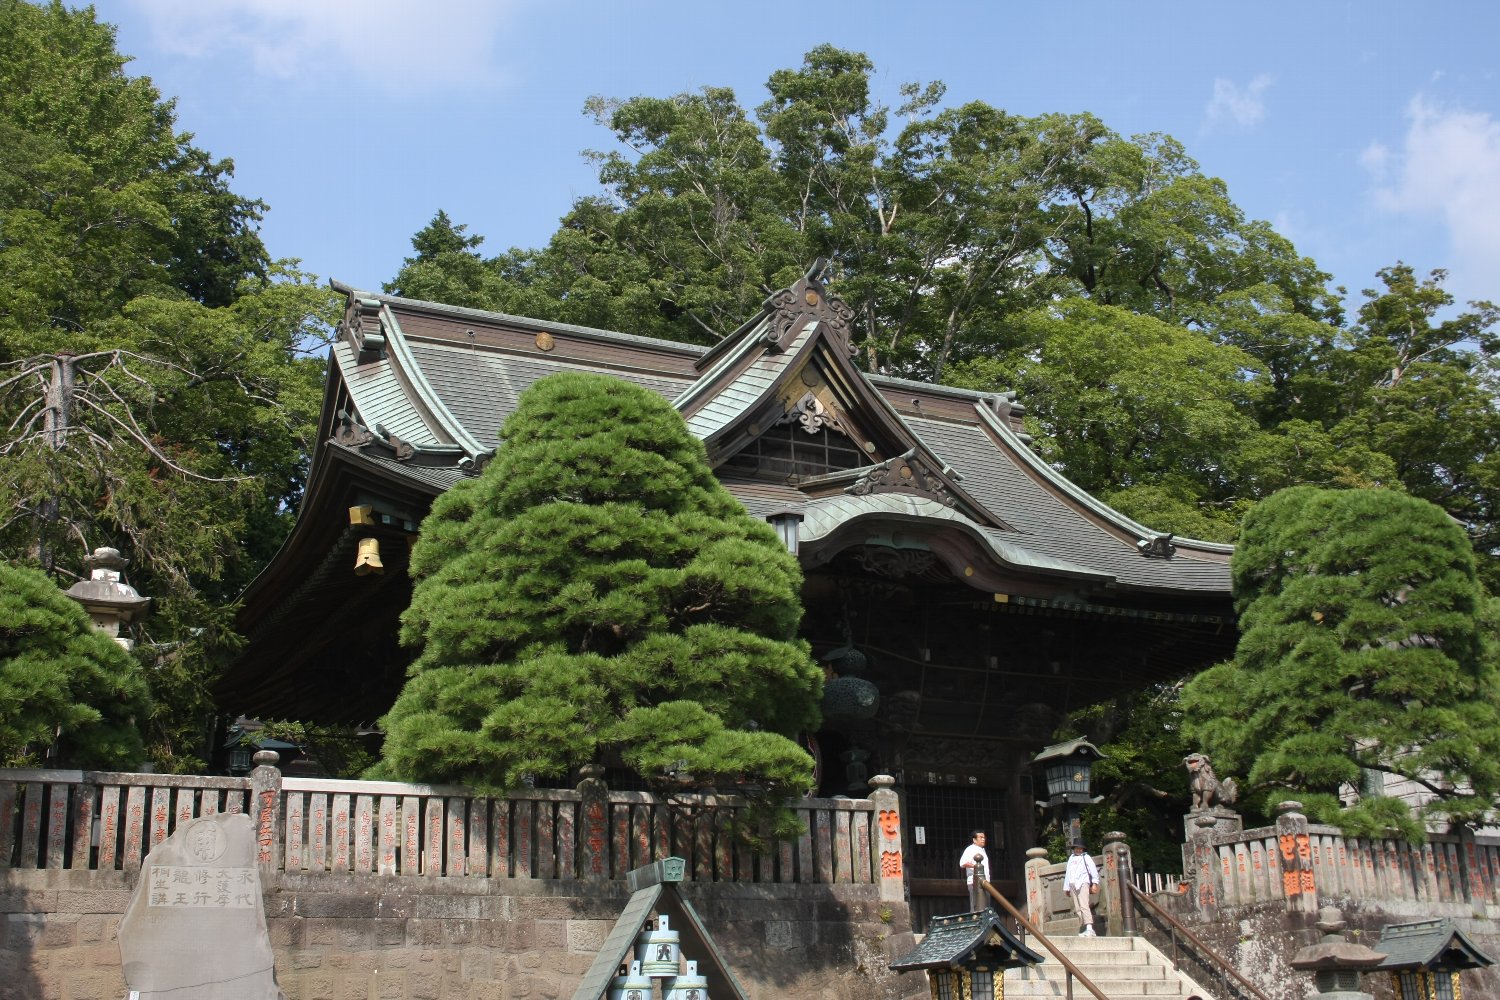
(404, 449)
(906, 474)
(809, 300)
(1157, 546)
(349, 432)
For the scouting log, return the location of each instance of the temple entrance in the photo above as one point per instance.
(940, 821)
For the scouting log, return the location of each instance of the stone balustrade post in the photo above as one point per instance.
(1200, 861)
(1036, 906)
(593, 810)
(1119, 874)
(265, 808)
(1294, 842)
(888, 838)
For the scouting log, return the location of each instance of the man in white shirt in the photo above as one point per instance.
(976, 865)
(1081, 881)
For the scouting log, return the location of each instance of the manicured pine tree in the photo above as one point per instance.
(1363, 648)
(64, 685)
(596, 596)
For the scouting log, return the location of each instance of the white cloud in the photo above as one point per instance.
(402, 46)
(1244, 106)
(1449, 168)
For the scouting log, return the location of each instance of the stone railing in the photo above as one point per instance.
(108, 821)
(1046, 901)
(1299, 863)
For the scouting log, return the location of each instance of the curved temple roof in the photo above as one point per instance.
(439, 381)
(417, 393)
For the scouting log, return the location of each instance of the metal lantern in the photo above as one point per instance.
(657, 949)
(239, 759)
(1425, 957)
(688, 986)
(633, 985)
(965, 956)
(1069, 772)
(788, 523)
(1069, 769)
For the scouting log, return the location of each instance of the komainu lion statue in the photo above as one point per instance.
(1208, 791)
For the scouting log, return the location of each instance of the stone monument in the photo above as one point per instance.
(195, 925)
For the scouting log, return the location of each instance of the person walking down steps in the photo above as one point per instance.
(976, 865)
(1081, 881)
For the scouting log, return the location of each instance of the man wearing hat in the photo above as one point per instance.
(1081, 881)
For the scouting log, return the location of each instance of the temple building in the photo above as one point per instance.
(962, 594)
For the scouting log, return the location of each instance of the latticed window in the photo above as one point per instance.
(786, 451)
(942, 984)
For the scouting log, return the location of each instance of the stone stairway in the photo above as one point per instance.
(1123, 967)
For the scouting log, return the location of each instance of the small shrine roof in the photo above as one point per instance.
(1429, 944)
(950, 940)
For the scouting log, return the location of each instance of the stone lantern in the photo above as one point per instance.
(1069, 772)
(109, 601)
(1336, 963)
(965, 956)
(1425, 958)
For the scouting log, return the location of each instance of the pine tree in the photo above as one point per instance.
(596, 596)
(64, 684)
(1362, 649)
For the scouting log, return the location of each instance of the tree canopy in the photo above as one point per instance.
(595, 596)
(70, 696)
(155, 389)
(1176, 357)
(1364, 648)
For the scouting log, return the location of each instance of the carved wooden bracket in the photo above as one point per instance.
(903, 474)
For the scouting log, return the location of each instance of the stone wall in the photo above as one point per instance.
(1261, 939)
(354, 937)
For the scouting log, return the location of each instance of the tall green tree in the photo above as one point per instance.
(596, 596)
(1363, 649)
(70, 696)
(155, 389)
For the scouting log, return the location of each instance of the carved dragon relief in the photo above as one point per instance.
(903, 474)
(792, 308)
(894, 564)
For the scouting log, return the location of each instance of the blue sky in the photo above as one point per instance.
(1366, 132)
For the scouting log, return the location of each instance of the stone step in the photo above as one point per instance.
(1099, 957)
(1114, 989)
(1122, 967)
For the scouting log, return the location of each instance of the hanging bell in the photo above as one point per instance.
(657, 950)
(368, 560)
(688, 986)
(632, 985)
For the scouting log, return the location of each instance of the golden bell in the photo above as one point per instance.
(368, 560)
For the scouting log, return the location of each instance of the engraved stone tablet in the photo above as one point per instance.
(195, 925)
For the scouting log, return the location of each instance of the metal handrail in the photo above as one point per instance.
(1178, 927)
(1046, 942)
